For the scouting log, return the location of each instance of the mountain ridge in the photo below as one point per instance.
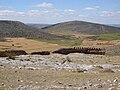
(19, 29)
(80, 27)
(39, 26)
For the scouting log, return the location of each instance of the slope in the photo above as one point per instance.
(39, 26)
(80, 27)
(19, 29)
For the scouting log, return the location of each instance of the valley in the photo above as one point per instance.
(73, 71)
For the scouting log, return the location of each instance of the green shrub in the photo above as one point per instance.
(11, 57)
(63, 62)
(3, 54)
(109, 37)
(67, 60)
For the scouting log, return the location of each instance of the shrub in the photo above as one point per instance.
(67, 60)
(11, 57)
(80, 70)
(4, 54)
(107, 70)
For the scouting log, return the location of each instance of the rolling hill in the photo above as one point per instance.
(39, 26)
(19, 29)
(80, 27)
(115, 25)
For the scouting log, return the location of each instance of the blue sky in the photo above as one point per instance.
(54, 11)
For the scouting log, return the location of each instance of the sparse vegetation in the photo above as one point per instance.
(19, 29)
(4, 54)
(108, 37)
(80, 27)
(66, 60)
(107, 70)
(80, 70)
(64, 42)
(11, 57)
(47, 72)
(28, 45)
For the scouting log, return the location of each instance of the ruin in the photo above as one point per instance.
(85, 50)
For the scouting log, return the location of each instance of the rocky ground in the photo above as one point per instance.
(60, 72)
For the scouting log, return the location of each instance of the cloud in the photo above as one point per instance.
(30, 13)
(5, 7)
(8, 13)
(69, 10)
(110, 13)
(91, 8)
(44, 5)
(43, 16)
(59, 15)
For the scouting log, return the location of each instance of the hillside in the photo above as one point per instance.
(115, 25)
(39, 26)
(80, 27)
(19, 29)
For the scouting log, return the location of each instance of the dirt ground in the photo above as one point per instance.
(99, 43)
(79, 72)
(28, 45)
(56, 71)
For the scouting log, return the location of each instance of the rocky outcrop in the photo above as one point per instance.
(12, 53)
(41, 53)
(88, 50)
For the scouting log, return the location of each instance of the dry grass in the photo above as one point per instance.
(12, 78)
(28, 45)
(99, 43)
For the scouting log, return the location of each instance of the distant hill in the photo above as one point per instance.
(80, 27)
(115, 25)
(19, 29)
(39, 26)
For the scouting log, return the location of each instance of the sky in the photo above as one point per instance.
(55, 11)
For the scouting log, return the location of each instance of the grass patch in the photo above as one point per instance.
(11, 57)
(107, 37)
(65, 42)
(69, 35)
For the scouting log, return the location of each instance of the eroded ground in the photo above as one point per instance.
(60, 72)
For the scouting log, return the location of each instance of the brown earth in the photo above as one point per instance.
(28, 45)
(45, 77)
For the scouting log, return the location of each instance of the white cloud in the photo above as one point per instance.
(59, 15)
(110, 13)
(44, 5)
(8, 13)
(91, 8)
(54, 15)
(5, 7)
(69, 10)
(30, 13)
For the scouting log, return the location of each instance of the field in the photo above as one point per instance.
(108, 37)
(28, 45)
(74, 71)
(64, 42)
(31, 45)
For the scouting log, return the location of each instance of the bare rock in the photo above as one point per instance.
(2, 84)
(98, 85)
(111, 88)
